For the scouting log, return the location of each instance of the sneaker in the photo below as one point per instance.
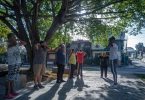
(36, 87)
(9, 96)
(14, 94)
(40, 86)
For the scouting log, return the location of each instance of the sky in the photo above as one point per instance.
(79, 37)
(133, 40)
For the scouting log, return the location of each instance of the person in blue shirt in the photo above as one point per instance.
(60, 61)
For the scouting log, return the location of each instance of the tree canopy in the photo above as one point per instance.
(32, 19)
(3, 37)
(27, 18)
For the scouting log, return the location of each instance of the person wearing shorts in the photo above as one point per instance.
(14, 62)
(40, 52)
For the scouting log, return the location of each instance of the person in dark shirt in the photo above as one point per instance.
(39, 62)
(60, 61)
(104, 62)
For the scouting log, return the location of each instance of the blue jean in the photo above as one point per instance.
(113, 69)
(79, 69)
(60, 72)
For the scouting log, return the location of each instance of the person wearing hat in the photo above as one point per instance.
(60, 61)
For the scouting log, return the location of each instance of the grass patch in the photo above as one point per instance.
(141, 76)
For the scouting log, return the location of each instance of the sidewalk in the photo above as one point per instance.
(90, 87)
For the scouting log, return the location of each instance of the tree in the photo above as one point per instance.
(26, 18)
(140, 48)
(4, 30)
(23, 17)
(3, 37)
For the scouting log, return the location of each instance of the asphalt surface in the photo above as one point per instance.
(90, 86)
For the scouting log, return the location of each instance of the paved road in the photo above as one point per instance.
(91, 87)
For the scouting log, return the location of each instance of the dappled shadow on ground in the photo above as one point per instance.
(65, 89)
(50, 93)
(108, 80)
(31, 93)
(79, 84)
(131, 90)
(25, 96)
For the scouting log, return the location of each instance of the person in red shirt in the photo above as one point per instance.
(80, 60)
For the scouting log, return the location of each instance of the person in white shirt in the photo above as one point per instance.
(14, 62)
(113, 57)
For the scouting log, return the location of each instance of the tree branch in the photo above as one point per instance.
(9, 5)
(22, 32)
(92, 19)
(108, 4)
(6, 4)
(101, 13)
(26, 18)
(58, 20)
(73, 3)
(34, 27)
(53, 10)
(99, 8)
(9, 25)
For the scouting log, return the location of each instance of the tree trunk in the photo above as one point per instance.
(29, 49)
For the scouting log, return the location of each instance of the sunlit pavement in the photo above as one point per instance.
(90, 87)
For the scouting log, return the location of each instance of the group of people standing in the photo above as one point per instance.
(39, 61)
(111, 59)
(76, 60)
(14, 63)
